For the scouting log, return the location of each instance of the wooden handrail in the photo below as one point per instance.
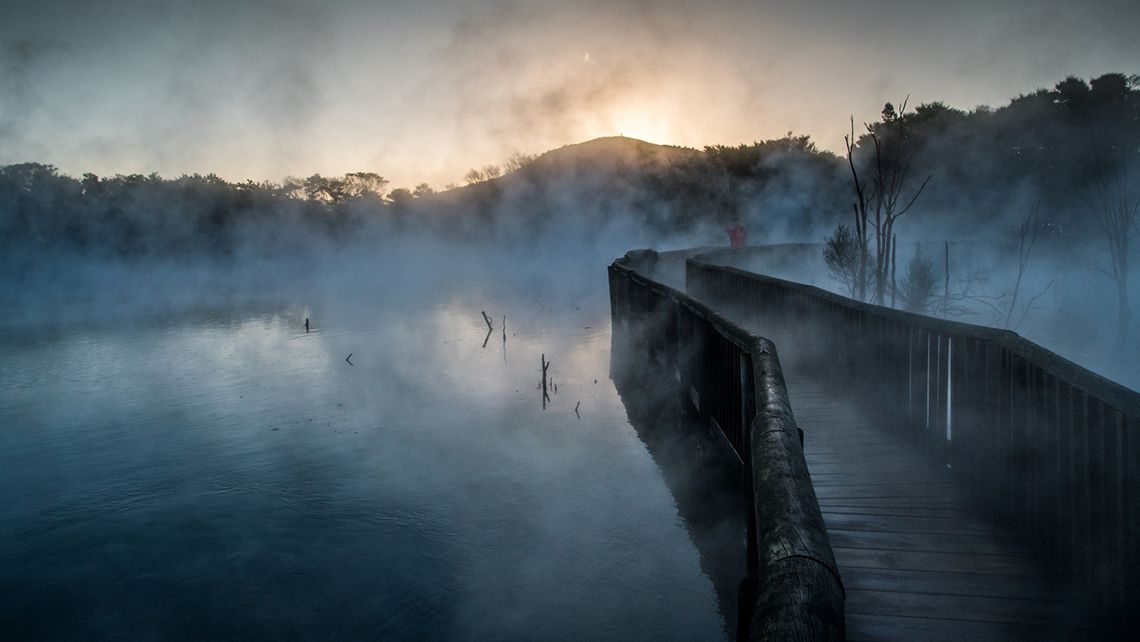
(1111, 392)
(798, 590)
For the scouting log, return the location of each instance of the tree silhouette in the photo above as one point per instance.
(882, 202)
(1115, 204)
(400, 196)
(1109, 88)
(841, 254)
(1072, 94)
(364, 185)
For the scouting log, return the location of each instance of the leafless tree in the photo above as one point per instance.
(518, 161)
(481, 175)
(1027, 238)
(842, 254)
(920, 283)
(1115, 205)
(862, 200)
(969, 299)
(880, 203)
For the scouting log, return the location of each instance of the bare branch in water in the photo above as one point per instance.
(545, 392)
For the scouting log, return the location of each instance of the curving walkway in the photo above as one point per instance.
(919, 557)
(918, 561)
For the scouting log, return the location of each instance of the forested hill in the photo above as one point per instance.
(1050, 149)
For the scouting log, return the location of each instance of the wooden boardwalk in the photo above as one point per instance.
(920, 557)
(917, 559)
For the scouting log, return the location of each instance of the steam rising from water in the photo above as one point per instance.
(214, 470)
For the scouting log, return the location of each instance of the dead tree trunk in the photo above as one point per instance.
(894, 269)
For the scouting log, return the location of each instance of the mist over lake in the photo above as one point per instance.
(219, 472)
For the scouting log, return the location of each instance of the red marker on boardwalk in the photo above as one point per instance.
(737, 235)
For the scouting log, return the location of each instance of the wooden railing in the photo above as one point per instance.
(732, 379)
(1048, 446)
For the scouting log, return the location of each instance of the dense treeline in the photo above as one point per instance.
(1049, 147)
(662, 192)
(136, 216)
(985, 165)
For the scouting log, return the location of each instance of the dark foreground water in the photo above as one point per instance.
(219, 473)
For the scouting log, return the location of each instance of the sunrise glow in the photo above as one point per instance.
(641, 121)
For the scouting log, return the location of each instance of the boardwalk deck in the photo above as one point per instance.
(918, 560)
(1050, 446)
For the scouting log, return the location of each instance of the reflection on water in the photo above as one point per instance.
(705, 479)
(225, 474)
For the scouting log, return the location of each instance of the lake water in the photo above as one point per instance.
(216, 472)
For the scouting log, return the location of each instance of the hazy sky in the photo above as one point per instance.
(422, 91)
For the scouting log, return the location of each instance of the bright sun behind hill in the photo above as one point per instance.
(643, 120)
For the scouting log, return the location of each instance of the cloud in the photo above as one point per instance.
(427, 90)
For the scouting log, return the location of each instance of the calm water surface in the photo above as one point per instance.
(220, 473)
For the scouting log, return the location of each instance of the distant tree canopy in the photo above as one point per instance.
(756, 183)
(400, 195)
(1047, 145)
(480, 175)
(515, 163)
(135, 215)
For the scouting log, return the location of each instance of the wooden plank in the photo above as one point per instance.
(949, 501)
(953, 583)
(904, 471)
(902, 453)
(886, 490)
(844, 478)
(869, 482)
(886, 513)
(943, 543)
(894, 471)
(957, 607)
(852, 558)
(866, 461)
(909, 629)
